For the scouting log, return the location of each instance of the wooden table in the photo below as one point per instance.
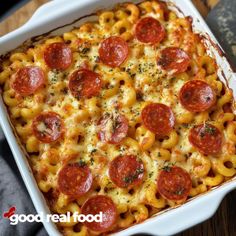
(223, 223)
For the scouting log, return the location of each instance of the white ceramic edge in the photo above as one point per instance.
(25, 170)
(182, 217)
(170, 222)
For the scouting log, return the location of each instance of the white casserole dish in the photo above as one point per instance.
(61, 12)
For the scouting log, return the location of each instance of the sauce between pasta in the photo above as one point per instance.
(124, 115)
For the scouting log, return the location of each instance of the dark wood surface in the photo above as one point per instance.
(223, 223)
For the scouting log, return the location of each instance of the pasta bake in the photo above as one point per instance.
(124, 115)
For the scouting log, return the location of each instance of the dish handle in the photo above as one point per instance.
(43, 11)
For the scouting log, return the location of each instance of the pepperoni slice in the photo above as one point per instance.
(112, 128)
(158, 118)
(58, 56)
(206, 138)
(126, 171)
(174, 183)
(197, 96)
(113, 51)
(84, 83)
(149, 30)
(97, 204)
(47, 127)
(174, 60)
(28, 80)
(75, 179)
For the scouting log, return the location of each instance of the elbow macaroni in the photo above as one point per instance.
(121, 88)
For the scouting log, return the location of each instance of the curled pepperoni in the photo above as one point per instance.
(174, 60)
(94, 206)
(113, 51)
(158, 118)
(165, 9)
(197, 96)
(227, 108)
(149, 30)
(28, 80)
(84, 83)
(51, 196)
(58, 56)
(47, 127)
(206, 138)
(174, 183)
(112, 128)
(126, 171)
(75, 180)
